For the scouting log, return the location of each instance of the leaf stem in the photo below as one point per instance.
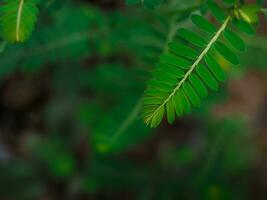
(129, 119)
(18, 21)
(212, 156)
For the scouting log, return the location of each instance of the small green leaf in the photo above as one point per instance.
(198, 85)
(215, 68)
(234, 39)
(165, 76)
(183, 50)
(216, 10)
(153, 92)
(155, 83)
(157, 118)
(191, 37)
(226, 53)
(203, 23)
(170, 112)
(207, 77)
(244, 27)
(177, 104)
(191, 94)
(176, 61)
(171, 69)
(184, 101)
(249, 13)
(152, 100)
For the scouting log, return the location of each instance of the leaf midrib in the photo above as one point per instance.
(18, 20)
(199, 59)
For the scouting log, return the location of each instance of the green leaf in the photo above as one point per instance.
(157, 118)
(171, 69)
(203, 23)
(155, 83)
(184, 101)
(156, 93)
(234, 39)
(249, 13)
(192, 37)
(165, 75)
(177, 104)
(226, 52)
(170, 112)
(18, 18)
(207, 77)
(191, 94)
(176, 61)
(183, 50)
(185, 72)
(216, 10)
(244, 27)
(198, 85)
(215, 68)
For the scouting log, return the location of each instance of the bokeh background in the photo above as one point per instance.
(69, 111)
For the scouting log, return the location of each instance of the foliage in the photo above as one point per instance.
(18, 18)
(72, 100)
(183, 74)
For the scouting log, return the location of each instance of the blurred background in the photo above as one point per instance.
(69, 111)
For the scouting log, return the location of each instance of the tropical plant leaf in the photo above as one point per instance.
(18, 18)
(186, 72)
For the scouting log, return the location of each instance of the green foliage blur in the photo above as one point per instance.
(70, 97)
